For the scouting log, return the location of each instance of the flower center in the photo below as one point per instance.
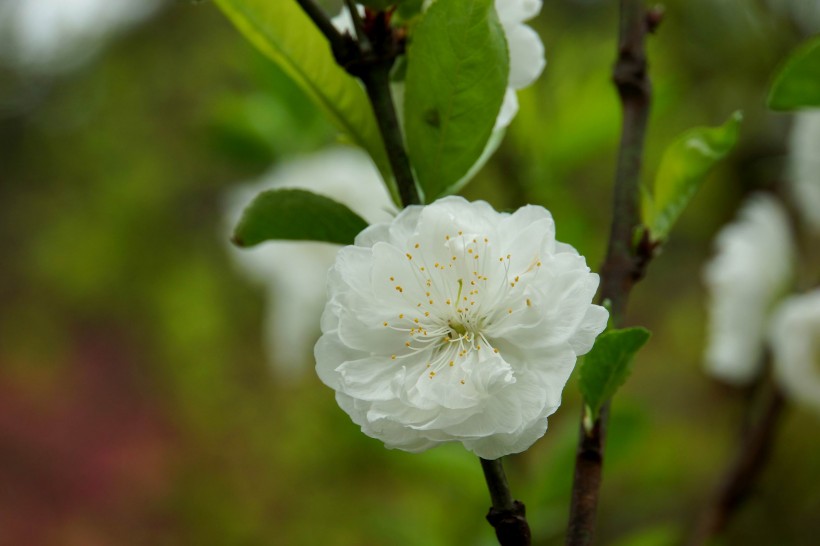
(455, 291)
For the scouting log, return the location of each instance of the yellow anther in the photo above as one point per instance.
(452, 363)
(509, 311)
(385, 323)
(427, 313)
(416, 245)
(416, 320)
(495, 350)
(461, 233)
(392, 279)
(401, 315)
(462, 381)
(393, 357)
(400, 289)
(529, 302)
(469, 250)
(406, 343)
(409, 256)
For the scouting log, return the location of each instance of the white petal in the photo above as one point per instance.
(752, 268)
(527, 59)
(794, 335)
(805, 166)
(514, 12)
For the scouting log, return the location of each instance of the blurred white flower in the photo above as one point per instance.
(794, 336)
(45, 34)
(751, 270)
(294, 272)
(456, 323)
(805, 166)
(804, 13)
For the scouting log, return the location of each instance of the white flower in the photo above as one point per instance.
(37, 33)
(294, 272)
(805, 166)
(794, 336)
(456, 323)
(752, 268)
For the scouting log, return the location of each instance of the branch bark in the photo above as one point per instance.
(625, 262)
(507, 516)
(739, 477)
(370, 59)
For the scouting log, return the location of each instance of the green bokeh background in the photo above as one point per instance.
(136, 403)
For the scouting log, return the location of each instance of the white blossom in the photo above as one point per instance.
(293, 273)
(44, 34)
(805, 167)
(794, 336)
(456, 323)
(751, 270)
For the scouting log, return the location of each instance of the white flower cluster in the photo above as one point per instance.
(748, 280)
(456, 323)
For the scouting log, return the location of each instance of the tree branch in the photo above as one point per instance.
(738, 478)
(625, 262)
(370, 59)
(506, 515)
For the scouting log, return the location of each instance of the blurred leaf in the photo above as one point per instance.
(288, 37)
(683, 168)
(297, 215)
(797, 85)
(456, 78)
(609, 363)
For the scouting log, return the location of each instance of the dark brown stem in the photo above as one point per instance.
(625, 261)
(370, 59)
(739, 477)
(322, 22)
(377, 83)
(507, 516)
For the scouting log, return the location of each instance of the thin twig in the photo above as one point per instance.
(739, 477)
(507, 516)
(323, 23)
(625, 261)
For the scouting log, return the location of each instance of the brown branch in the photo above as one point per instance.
(739, 477)
(625, 261)
(370, 59)
(507, 516)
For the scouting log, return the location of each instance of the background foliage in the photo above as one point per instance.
(136, 405)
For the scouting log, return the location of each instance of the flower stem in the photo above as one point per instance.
(370, 59)
(507, 516)
(625, 262)
(739, 476)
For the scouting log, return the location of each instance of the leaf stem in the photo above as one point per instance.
(625, 262)
(507, 516)
(323, 23)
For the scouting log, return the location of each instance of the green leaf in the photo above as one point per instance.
(457, 74)
(296, 215)
(797, 85)
(682, 171)
(282, 31)
(607, 366)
